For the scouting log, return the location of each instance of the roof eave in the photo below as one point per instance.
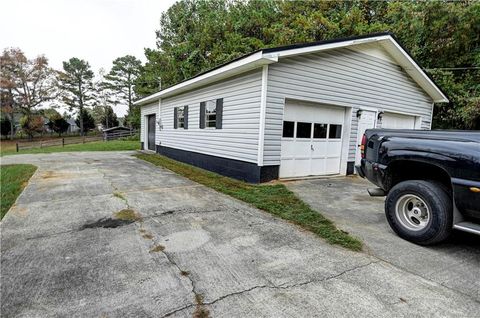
(246, 64)
(268, 56)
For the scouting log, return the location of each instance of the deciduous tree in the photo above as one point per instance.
(25, 84)
(31, 124)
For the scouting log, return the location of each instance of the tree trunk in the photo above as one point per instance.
(81, 121)
(12, 133)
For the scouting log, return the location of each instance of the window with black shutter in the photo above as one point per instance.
(211, 113)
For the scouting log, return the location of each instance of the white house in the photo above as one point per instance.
(291, 111)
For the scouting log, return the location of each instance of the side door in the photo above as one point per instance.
(151, 132)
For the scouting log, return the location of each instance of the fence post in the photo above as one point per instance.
(63, 142)
(17, 146)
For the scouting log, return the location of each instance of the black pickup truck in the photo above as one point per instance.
(431, 180)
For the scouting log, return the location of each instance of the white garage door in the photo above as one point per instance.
(312, 140)
(398, 121)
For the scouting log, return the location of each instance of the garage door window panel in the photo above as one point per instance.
(288, 129)
(320, 131)
(304, 130)
(335, 131)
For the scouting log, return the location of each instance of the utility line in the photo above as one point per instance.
(453, 68)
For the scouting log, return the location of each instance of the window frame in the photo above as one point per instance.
(206, 115)
(180, 122)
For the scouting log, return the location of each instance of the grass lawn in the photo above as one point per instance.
(13, 178)
(273, 198)
(89, 146)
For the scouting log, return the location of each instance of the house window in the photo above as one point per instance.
(288, 129)
(180, 119)
(211, 113)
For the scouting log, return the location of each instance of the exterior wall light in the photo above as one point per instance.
(380, 116)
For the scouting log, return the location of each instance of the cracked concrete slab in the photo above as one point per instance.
(455, 263)
(187, 249)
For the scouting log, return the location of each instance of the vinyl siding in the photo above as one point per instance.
(342, 77)
(238, 138)
(147, 110)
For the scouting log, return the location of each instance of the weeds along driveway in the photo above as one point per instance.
(181, 249)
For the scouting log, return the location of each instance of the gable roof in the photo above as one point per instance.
(271, 55)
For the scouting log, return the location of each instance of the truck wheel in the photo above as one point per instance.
(420, 211)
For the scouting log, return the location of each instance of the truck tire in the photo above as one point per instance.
(420, 211)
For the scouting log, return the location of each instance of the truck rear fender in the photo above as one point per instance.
(407, 169)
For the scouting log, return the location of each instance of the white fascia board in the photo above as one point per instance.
(243, 65)
(330, 46)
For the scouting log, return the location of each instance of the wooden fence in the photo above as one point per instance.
(56, 142)
(119, 134)
(107, 136)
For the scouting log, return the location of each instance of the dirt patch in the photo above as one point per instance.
(147, 236)
(128, 215)
(200, 310)
(55, 175)
(22, 211)
(157, 248)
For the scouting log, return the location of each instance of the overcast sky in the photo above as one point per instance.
(97, 31)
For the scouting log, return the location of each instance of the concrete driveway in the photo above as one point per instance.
(454, 264)
(194, 252)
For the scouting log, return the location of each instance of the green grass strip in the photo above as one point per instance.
(115, 145)
(273, 198)
(13, 178)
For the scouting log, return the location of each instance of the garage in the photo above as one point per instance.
(311, 139)
(398, 121)
(292, 111)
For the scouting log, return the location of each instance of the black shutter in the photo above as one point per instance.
(175, 118)
(202, 115)
(218, 123)
(185, 117)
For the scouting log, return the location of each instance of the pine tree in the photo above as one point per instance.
(76, 83)
(121, 80)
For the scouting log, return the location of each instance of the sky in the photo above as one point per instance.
(97, 31)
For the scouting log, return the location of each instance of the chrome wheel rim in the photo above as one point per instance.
(412, 212)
